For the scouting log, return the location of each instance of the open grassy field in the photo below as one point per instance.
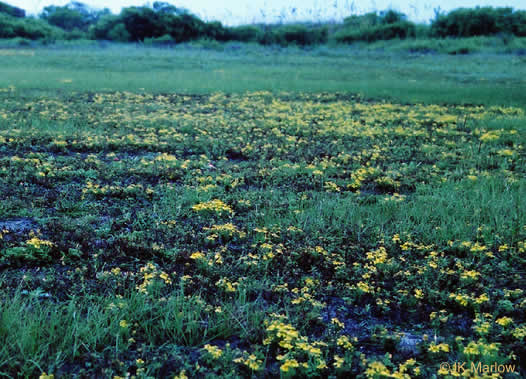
(246, 211)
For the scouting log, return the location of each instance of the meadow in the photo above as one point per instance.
(245, 211)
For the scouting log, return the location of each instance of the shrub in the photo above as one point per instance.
(295, 34)
(401, 30)
(11, 27)
(64, 18)
(73, 16)
(246, 33)
(110, 27)
(391, 17)
(518, 23)
(142, 22)
(300, 35)
(185, 27)
(469, 22)
(119, 33)
(12, 11)
(374, 26)
(215, 30)
(75, 34)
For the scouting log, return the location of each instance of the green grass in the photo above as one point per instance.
(431, 78)
(245, 211)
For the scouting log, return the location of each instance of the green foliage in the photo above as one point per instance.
(502, 44)
(110, 27)
(142, 23)
(166, 8)
(39, 335)
(11, 27)
(74, 16)
(301, 35)
(467, 22)
(161, 19)
(374, 26)
(400, 29)
(246, 33)
(215, 30)
(63, 17)
(185, 27)
(391, 17)
(364, 21)
(374, 19)
(11, 10)
(284, 35)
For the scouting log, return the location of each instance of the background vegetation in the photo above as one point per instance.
(164, 24)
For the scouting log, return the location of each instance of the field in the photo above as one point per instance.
(240, 211)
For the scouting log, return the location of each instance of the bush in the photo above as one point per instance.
(246, 33)
(119, 33)
(64, 18)
(75, 34)
(374, 26)
(293, 34)
(215, 30)
(142, 22)
(12, 11)
(518, 23)
(466, 22)
(300, 35)
(110, 27)
(400, 29)
(74, 16)
(391, 17)
(185, 27)
(11, 27)
(364, 21)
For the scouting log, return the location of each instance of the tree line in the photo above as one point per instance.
(163, 23)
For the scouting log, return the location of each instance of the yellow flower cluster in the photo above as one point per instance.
(214, 351)
(227, 285)
(252, 362)
(284, 333)
(149, 274)
(37, 243)
(377, 369)
(481, 348)
(504, 321)
(441, 347)
(490, 136)
(465, 300)
(228, 230)
(300, 353)
(213, 206)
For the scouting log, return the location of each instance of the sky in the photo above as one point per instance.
(236, 12)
